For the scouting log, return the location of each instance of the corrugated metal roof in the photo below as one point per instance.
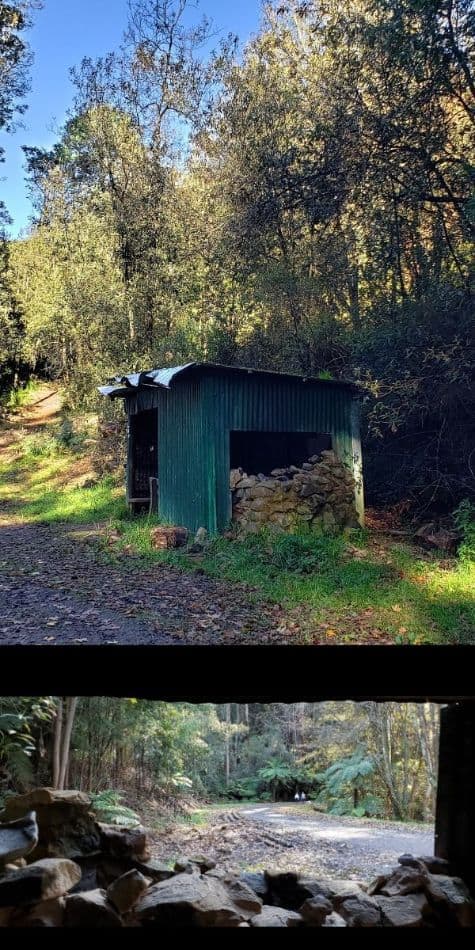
(164, 378)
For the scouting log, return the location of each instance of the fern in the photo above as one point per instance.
(20, 765)
(346, 772)
(109, 808)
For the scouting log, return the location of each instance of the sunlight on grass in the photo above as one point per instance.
(43, 495)
(414, 600)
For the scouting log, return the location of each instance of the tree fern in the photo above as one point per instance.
(347, 772)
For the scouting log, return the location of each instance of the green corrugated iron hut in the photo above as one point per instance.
(189, 425)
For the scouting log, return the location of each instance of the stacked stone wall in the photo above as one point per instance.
(319, 493)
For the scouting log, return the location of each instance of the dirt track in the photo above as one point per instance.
(296, 837)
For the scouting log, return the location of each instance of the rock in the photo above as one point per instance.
(67, 829)
(109, 869)
(377, 884)
(334, 920)
(248, 481)
(191, 900)
(164, 537)
(328, 518)
(407, 911)
(276, 917)
(154, 870)
(336, 891)
(18, 838)
(243, 895)
(257, 881)
(405, 880)
(17, 805)
(451, 899)
(126, 890)
(432, 864)
(435, 536)
(124, 842)
(202, 861)
(315, 909)
(46, 914)
(48, 878)
(90, 909)
(185, 866)
(235, 477)
(360, 912)
(309, 488)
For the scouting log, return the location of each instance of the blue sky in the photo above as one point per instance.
(64, 31)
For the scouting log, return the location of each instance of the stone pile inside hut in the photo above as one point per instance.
(321, 492)
(83, 873)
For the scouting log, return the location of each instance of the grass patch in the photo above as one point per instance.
(379, 589)
(16, 399)
(44, 492)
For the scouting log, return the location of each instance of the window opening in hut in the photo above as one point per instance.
(144, 446)
(261, 452)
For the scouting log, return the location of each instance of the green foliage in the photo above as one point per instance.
(20, 720)
(342, 783)
(18, 397)
(279, 776)
(172, 755)
(243, 789)
(315, 225)
(299, 553)
(464, 517)
(347, 772)
(109, 808)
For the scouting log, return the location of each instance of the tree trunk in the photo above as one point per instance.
(226, 762)
(58, 729)
(71, 705)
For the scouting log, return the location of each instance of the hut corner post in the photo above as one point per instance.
(357, 459)
(455, 809)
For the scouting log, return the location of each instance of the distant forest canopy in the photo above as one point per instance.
(305, 204)
(361, 759)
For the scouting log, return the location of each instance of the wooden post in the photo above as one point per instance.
(153, 507)
(455, 808)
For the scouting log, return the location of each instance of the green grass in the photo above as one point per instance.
(334, 589)
(411, 598)
(15, 399)
(40, 492)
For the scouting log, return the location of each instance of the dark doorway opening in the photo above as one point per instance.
(260, 452)
(144, 454)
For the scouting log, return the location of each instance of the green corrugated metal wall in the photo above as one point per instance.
(196, 416)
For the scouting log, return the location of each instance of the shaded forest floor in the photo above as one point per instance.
(75, 568)
(290, 837)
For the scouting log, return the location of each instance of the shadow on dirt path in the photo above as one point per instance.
(296, 838)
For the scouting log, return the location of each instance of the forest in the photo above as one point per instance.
(366, 759)
(303, 203)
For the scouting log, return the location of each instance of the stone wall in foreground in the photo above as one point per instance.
(320, 493)
(96, 875)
